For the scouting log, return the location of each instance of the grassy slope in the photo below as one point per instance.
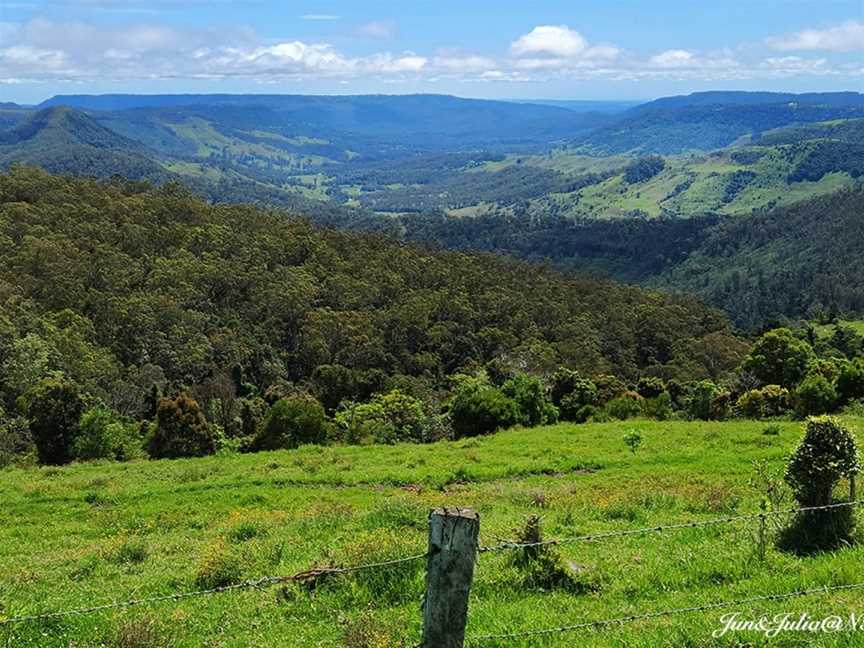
(706, 178)
(63, 532)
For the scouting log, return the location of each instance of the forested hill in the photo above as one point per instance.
(710, 120)
(793, 261)
(102, 279)
(62, 140)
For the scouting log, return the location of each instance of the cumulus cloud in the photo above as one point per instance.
(43, 50)
(558, 45)
(846, 37)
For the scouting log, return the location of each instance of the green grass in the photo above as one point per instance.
(90, 534)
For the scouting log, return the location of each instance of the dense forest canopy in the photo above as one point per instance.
(104, 280)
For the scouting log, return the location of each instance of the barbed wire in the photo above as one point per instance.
(662, 613)
(694, 524)
(304, 576)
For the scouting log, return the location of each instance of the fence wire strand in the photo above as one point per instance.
(662, 613)
(304, 576)
(695, 524)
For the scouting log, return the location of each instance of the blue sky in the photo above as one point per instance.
(624, 49)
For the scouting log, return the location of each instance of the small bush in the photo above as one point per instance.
(771, 430)
(482, 409)
(181, 430)
(827, 453)
(591, 414)
(530, 395)
(292, 422)
(218, 567)
(658, 407)
(54, 408)
(815, 395)
(650, 387)
(624, 407)
(130, 551)
(633, 440)
(388, 418)
(141, 632)
(771, 400)
(102, 435)
(543, 569)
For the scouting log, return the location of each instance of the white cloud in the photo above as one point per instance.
(320, 17)
(679, 59)
(673, 59)
(846, 37)
(559, 48)
(554, 40)
(45, 51)
(378, 30)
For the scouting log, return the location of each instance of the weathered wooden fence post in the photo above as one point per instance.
(449, 571)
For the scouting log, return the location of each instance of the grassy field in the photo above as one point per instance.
(91, 534)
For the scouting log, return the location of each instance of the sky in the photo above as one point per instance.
(530, 49)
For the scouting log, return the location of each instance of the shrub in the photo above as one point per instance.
(779, 358)
(658, 407)
(771, 400)
(701, 402)
(388, 418)
(850, 381)
(608, 387)
(591, 414)
(650, 387)
(570, 393)
(815, 395)
(543, 569)
(292, 422)
(624, 407)
(771, 430)
(102, 435)
(530, 396)
(633, 440)
(54, 408)
(827, 453)
(15, 440)
(181, 430)
(218, 567)
(482, 409)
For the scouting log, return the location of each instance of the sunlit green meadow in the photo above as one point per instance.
(92, 534)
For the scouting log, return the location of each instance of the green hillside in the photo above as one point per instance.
(93, 534)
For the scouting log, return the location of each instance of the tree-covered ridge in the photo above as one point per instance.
(105, 281)
(795, 261)
(711, 120)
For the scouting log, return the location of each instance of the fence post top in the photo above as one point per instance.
(447, 511)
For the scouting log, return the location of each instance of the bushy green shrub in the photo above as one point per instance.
(103, 435)
(827, 453)
(659, 407)
(570, 392)
(591, 414)
(771, 400)
(815, 395)
(388, 418)
(608, 387)
(482, 409)
(850, 381)
(530, 395)
(624, 407)
(702, 402)
(16, 444)
(650, 387)
(292, 422)
(54, 409)
(181, 430)
(779, 358)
